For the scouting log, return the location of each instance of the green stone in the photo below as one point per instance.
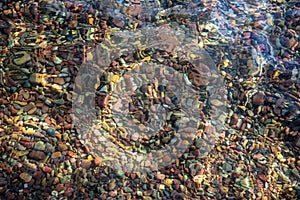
(120, 173)
(40, 145)
(59, 101)
(127, 189)
(139, 193)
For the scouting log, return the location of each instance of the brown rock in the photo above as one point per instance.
(234, 119)
(38, 175)
(37, 155)
(59, 81)
(47, 169)
(39, 104)
(262, 177)
(118, 23)
(31, 111)
(86, 163)
(197, 152)
(25, 177)
(102, 100)
(134, 10)
(259, 98)
(56, 154)
(62, 146)
(60, 187)
(69, 191)
(45, 109)
(68, 126)
(28, 107)
(26, 144)
(13, 110)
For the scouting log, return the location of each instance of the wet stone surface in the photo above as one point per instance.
(255, 48)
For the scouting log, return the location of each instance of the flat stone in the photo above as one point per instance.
(216, 102)
(59, 101)
(25, 177)
(62, 147)
(46, 169)
(56, 154)
(37, 155)
(59, 81)
(28, 107)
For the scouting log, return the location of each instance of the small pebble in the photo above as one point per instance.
(25, 177)
(56, 154)
(51, 131)
(86, 164)
(259, 98)
(40, 145)
(62, 147)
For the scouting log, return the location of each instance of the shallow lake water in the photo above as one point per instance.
(149, 99)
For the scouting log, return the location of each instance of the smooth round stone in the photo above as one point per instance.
(50, 131)
(259, 98)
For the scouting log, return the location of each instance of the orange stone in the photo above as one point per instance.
(97, 161)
